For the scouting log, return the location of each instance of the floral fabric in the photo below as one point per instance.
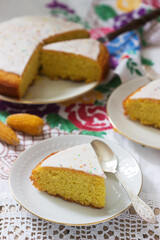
(101, 18)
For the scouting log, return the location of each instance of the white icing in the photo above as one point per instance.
(86, 47)
(19, 38)
(81, 157)
(151, 90)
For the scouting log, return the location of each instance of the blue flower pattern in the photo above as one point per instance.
(128, 42)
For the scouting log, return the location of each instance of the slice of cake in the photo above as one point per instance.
(73, 174)
(20, 42)
(78, 60)
(144, 104)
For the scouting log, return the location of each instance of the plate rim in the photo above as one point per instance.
(73, 224)
(29, 102)
(114, 125)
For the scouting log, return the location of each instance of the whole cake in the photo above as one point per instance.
(143, 104)
(73, 174)
(79, 59)
(20, 42)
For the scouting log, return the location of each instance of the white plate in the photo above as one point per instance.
(45, 90)
(58, 210)
(133, 130)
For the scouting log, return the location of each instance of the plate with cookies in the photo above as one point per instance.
(60, 180)
(134, 111)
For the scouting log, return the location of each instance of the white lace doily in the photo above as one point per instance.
(17, 223)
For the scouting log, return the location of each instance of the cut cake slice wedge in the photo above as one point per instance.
(73, 174)
(78, 60)
(143, 104)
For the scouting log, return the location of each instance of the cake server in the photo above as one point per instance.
(134, 24)
(108, 161)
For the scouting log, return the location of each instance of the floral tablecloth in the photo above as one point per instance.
(87, 116)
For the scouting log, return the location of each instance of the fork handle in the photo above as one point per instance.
(142, 209)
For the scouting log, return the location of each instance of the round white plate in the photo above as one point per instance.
(58, 210)
(133, 130)
(45, 90)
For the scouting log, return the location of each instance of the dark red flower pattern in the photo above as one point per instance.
(88, 117)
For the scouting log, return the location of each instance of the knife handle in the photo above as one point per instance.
(134, 24)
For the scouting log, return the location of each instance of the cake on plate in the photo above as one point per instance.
(21, 40)
(73, 174)
(79, 59)
(143, 105)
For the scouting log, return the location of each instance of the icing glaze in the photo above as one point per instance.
(151, 90)
(81, 157)
(19, 37)
(86, 47)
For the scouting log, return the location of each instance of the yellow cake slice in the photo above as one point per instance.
(20, 42)
(143, 105)
(73, 174)
(79, 60)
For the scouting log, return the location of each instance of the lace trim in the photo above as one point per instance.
(17, 223)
